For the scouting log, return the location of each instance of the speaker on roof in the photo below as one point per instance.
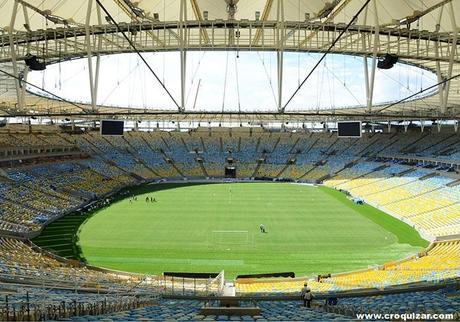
(387, 61)
(33, 63)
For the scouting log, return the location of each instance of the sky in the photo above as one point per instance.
(231, 81)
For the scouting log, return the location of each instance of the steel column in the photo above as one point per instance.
(13, 54)
(183, 51)
(280, 52)
(370, 97)
(89, 55)
(453, 51)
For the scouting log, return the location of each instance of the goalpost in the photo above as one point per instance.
(231, 238)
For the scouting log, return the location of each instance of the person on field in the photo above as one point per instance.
(262, 228)
(306, 295)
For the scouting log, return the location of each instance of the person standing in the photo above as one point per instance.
(306, 295)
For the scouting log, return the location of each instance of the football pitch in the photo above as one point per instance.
(214, 227)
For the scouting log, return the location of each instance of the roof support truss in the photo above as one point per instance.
(197, 12)
(14, 63)
(135, 15)
(433, 50)
(265, 14)
(406, 44)
(453, 53)
(337, 9)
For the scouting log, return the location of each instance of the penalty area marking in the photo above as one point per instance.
(229, 238)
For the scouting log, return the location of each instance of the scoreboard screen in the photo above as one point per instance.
(110, 127)
(349, 129)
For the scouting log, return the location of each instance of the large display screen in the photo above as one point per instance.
(110, 127)
(349, 129)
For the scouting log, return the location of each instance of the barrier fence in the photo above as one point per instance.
(31, 308)
(176, 285)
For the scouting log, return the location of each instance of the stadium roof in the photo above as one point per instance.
(423, 33)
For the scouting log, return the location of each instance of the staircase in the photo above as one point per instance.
(293, 147)
(311, 146)
(453, 183)
(428, 176)
(392, 187)
(400, 174)
(362, 175)
(408, 148)
(94, 148)
(171, 162)
(203, 169)
(439, 142)
(411, 197)
(256, 170)
(284, 169)
(372, 143)
(137, 158)
(257, 145)
(202, 144)
(327, 150)
(388, 145)
(449, 148)
(165, 143)
(306, 173)
(185, 144)
(346, 166)
(276, 145)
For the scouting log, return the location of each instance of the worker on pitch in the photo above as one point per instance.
(262, 228)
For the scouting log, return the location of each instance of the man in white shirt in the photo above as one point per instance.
(262, 228)
(306, 295)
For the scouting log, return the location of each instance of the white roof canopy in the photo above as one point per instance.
(423, 33)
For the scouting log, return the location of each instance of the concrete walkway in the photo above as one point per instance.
(229, 289)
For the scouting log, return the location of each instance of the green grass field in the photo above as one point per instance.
(210, 227)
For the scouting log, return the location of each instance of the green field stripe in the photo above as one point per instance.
(404, 232)
(310, 231)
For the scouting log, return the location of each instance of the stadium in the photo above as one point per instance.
(263, 160)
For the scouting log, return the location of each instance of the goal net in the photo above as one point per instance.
(227, 238)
